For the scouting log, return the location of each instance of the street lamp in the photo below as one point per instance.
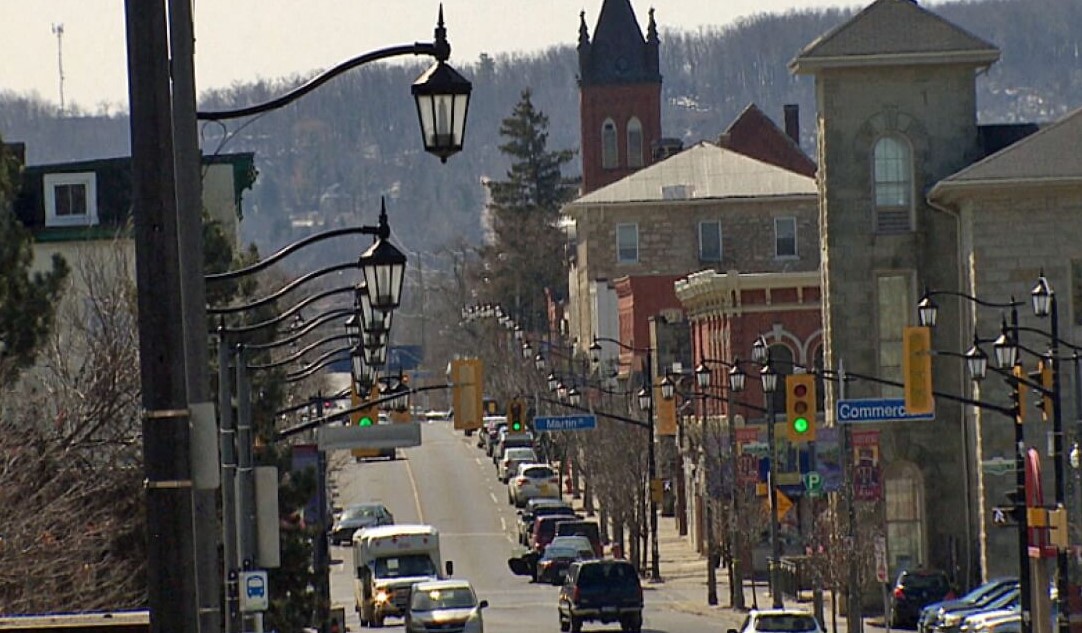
(668, 388)
(976, 360)
(574, 396)
(383, 266)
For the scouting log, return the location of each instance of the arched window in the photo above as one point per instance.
(903, 494)
(609, 158)
(634, 143)
(893, 170)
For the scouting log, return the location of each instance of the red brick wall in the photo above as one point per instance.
(638, 299)
(620, 103)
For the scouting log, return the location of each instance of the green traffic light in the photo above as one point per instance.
(365, 421)
(800, 425)
(517, 426)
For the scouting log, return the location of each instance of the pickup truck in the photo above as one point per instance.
(605, 591)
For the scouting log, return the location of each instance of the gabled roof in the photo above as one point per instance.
(703, 171)
(894, 32)
(754, 134)
(1048, 156)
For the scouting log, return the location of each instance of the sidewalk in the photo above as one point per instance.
(683, 585)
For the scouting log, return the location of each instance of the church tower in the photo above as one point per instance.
(619, 95)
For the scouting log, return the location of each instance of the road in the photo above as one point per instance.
(449, 483)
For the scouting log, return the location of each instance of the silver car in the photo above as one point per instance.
(512, 457)
(444, 606)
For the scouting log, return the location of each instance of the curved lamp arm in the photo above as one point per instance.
(245, 329)
(284, 290)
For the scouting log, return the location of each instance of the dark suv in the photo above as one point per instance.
(914, 590)
(601, 591)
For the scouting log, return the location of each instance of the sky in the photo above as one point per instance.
(245, 40)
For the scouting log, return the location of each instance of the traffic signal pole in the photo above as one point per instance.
(772, 490)
(1024, 580)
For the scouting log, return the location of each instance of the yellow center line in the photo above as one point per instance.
(416, 494)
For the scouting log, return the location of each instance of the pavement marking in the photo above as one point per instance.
(494, 499)
(503, 525)
(416, 495)
(478, 460)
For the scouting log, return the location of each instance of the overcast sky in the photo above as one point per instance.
(242, 40)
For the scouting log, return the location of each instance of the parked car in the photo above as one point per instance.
(490, 429)
(979, 596)
(996, 622)
(508, 440)
(602, 590)
(544, 530)
(915, 589)
(557, 558)
(778, 621)
(539, 506)
(444, 606)
(532, 480)
(588, 529)
(357, 516)
(512, 457)
(1002, 604)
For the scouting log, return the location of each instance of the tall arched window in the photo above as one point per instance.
(903, 493)
(609, 158)
(893, 170)
(634, 143)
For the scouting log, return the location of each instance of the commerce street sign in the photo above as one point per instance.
(565, 422)
(867, 410)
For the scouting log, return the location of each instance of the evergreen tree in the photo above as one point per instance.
(525, 256)
(27, 300)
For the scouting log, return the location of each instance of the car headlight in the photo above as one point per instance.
(950, 619)
(382, 596)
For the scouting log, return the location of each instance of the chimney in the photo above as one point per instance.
(792, 122)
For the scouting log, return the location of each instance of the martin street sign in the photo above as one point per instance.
(865, 410)
(565, 422)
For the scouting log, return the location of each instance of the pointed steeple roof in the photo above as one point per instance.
(892, 33)
(619, 53)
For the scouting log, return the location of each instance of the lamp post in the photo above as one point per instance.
(646, 403)
(769, 379)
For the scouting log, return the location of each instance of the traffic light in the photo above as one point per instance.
(1044, 375)
(365, 416)
(468, 382)
(800, 407)
(516, 415)
(917, 370)
(1018, 394)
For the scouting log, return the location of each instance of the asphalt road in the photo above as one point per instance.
(449, 483)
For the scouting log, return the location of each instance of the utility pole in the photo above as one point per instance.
(171, 589)
(58, 31)
(854, 621)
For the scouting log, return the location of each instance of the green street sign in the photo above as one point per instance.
(813, 482)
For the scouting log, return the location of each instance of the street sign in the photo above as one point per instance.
(866, 410)
(399, 435)
(784, 505)
(813, 482)
(565, 422)
(998, 466)
(1003, 516)
(881, 559)
(747, 469)
(254, 591)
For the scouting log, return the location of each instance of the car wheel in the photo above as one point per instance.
(564, 625)
(632, 623)
(576, 624)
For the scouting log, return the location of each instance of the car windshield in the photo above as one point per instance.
(446, 598)
(925, 581)
(520, 453)
(354, 512)
(785, 623)
(538, 472)
(560, 552)
(404, 566)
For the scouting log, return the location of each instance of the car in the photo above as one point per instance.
(778, 621)
(446, 606)
(601, 590)
(588, 529)
(532, 480)
(997, 623)
(544, 530)
(512, 457)
(915, 589)
(357, 516)
(980, 595)
(539, 506)
(508, 439)
(493, 425)
(557, 558)
(953, 621)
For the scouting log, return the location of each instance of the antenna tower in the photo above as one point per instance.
(58, 30)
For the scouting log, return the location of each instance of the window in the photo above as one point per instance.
(893, 185)
(904, 501)
(627, 243)
(634, 143)
(785, 237)
(893, 310)
(710, 241)
(609, 158)
(71, 199)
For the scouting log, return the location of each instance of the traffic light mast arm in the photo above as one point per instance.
(344, 413)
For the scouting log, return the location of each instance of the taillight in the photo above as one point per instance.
(520, 482)
(575, 594)
(899, 594)
(950, 595)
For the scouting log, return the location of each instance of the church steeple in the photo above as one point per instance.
(618, 54)
(619, 94)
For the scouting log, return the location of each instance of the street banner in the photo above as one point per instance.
(867, 483)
